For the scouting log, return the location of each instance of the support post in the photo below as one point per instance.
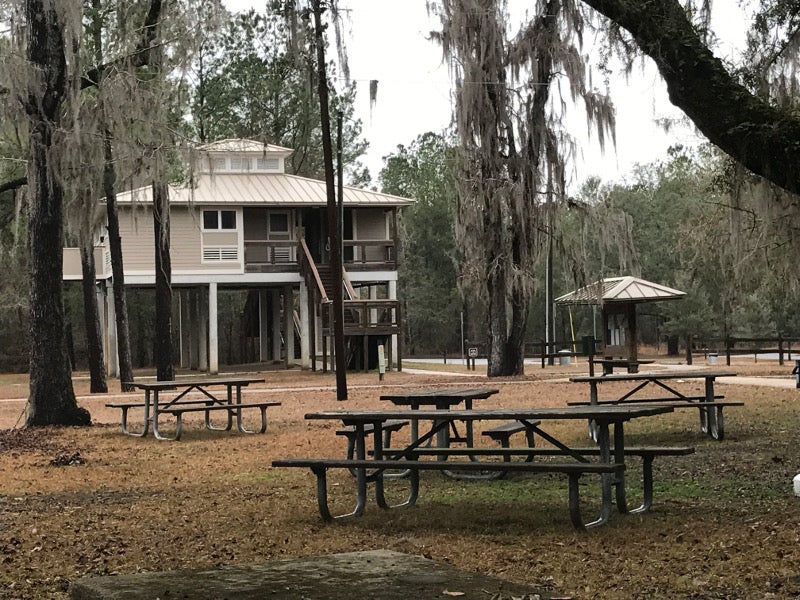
(305, 329)
(276, 325)
(113, 347)
(394, 351)
(288, 324)
(202, 329)
(263, 326)
(213, 331)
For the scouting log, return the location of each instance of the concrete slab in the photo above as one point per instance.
(373, 575)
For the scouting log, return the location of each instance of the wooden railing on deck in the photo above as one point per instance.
(365, 317)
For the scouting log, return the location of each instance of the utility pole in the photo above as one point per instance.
(333, 221)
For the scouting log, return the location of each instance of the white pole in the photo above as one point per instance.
(213, 337)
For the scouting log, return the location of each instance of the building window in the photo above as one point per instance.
(218, 164)
(219, 219)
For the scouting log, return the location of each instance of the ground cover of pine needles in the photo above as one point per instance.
(724, 524)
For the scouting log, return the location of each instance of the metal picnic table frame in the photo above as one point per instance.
(153, 407)
(711, 421)
(611, 444)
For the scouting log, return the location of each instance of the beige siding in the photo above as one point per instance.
(186, 241)
(136, 230)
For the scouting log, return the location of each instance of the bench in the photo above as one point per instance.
(205, 405)
(183, 407)
(125, 407)
(632, 366)
(574, 471)
(646, 453)
(502, 433)
(389, 427)
(662, 400)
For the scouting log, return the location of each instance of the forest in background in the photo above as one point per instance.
(692, 221)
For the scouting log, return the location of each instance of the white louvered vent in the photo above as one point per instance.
(220, 253)
(267, 164)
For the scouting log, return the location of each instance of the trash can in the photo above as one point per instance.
(712, 358)
(563, 357)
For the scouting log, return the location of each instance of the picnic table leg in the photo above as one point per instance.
(708, 415)
(647, 485)
(592, 402)
(378, 475)
(229, 425)
(156, 432)
(146, 426)
(361, 482)
(239, 424)
(619, 456)
(606, 481)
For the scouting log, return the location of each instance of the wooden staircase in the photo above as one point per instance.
(363, 319)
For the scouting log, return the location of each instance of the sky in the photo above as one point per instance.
(387, 41)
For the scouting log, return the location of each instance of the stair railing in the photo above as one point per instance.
(309, 269)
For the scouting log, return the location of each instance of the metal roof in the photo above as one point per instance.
(258, 189)
(620, 289)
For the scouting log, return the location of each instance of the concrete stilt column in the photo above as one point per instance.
(288, 323)
(305, 336)
(113, 346)
(393, 296)
(183, 329)
(101, 317)
(202, 330)
(213, 336)
(194, 329)
(276, 325)
(263, 326)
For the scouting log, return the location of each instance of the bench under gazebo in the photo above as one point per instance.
(617, 298)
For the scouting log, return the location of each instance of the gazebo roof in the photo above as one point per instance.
(620, 289)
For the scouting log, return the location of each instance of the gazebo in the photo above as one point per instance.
(618, 297)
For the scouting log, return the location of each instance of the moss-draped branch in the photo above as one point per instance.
(760, 136)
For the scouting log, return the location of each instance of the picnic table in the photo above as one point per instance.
(210, 400)
(444, 399)
(606, 460)
(709, 403)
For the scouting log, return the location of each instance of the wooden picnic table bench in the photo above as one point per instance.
(709, 404)
(608, 364)
(574, 470)
(646, 453)
(208, 401)
(609, 463)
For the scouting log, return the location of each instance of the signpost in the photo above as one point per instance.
(381, 363)
(472, 354)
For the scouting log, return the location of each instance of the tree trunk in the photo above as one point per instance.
(91, 318)
(117, 271)
(162, 337)
(52, 398)
(750, 130)
(333, 221)
(114, 240)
